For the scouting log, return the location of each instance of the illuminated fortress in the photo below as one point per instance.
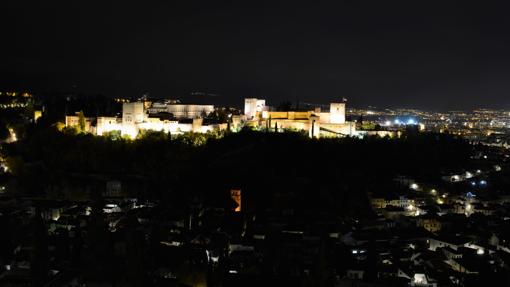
(180, 118)
(136, 118)
(315, 122)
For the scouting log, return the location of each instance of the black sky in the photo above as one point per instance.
(425, 54)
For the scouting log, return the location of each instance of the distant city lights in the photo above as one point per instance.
(398, 121)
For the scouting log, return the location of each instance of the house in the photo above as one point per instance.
(453, 242)
(422, 280)
(430, 223)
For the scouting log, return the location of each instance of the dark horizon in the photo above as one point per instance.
(434, 56)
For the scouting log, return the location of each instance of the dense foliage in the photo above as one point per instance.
(323, 172)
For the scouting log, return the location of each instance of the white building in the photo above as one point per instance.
(108, 124)
(135, 119)
(315, 122)
(181, 111)
(252, 106)
(132, 113)
(337, 113)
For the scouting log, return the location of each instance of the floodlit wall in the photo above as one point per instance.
(74, 121)
(289, 124)
(332, 130)
(252, 106)
(108, 124)
(316, 123)
(132, 113)
(291, 115)
(337, 113)
(134, 119)
(155, 124)
(183, 111)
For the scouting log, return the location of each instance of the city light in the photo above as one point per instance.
(145, 165)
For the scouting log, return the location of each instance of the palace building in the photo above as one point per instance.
(317, 123)
(177, 118)
(136, 118)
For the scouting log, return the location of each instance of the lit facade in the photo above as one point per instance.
(181, 111)
(135, 119)
(316, 123)
(253, 106)
(108, 124)
(235, 194)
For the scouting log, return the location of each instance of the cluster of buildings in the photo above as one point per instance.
(174, 117)
(168, 116)
(486, 126)
(440, 245)
(450, 234)
(15, 100)
(445, 233)
(10, 101)
(410, 242)
(315, 122)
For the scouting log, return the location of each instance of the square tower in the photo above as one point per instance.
(132, 113)
(252, 106)
(337, 113)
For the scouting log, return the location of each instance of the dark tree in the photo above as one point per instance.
(98, 241)
(135, 261)
(40, 259)
(284, 106)
(4, 131)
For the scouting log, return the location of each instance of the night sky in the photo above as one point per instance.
(424, 54)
